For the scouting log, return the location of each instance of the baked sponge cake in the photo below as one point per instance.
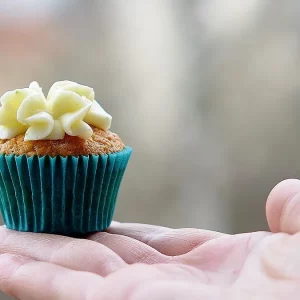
(101, 142)
(60, 166)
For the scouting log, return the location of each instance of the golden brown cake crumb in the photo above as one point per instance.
(101, 142)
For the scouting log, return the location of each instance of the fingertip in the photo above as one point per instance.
(277, 200)
(4, 232)
(24, 278)
(114, 223)
(9, 263)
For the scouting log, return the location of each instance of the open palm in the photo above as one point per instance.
(135, 261)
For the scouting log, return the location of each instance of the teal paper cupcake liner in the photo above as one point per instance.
(64, 195)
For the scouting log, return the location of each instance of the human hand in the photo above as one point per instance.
(135, 261)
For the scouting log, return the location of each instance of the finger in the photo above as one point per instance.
(121, 285)
(26, 279)
(130, 250)
(76, 254)
(283, 207)
(167, 289)
(168, 241)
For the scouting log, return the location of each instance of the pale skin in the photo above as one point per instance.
(135, 261)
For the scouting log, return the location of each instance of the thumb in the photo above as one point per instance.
(283, 207)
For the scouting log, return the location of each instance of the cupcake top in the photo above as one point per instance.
(69, 121)
(70, 108)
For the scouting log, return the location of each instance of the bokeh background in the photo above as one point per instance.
(207, 93)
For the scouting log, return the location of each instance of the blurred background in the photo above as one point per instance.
(206, 92)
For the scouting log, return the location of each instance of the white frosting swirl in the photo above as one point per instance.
(69, 108)
(25, 110)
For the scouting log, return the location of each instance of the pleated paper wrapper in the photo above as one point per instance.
(64, 195)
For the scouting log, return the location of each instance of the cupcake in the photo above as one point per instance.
(60, 166)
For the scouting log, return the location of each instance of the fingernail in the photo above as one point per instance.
(113, 223)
